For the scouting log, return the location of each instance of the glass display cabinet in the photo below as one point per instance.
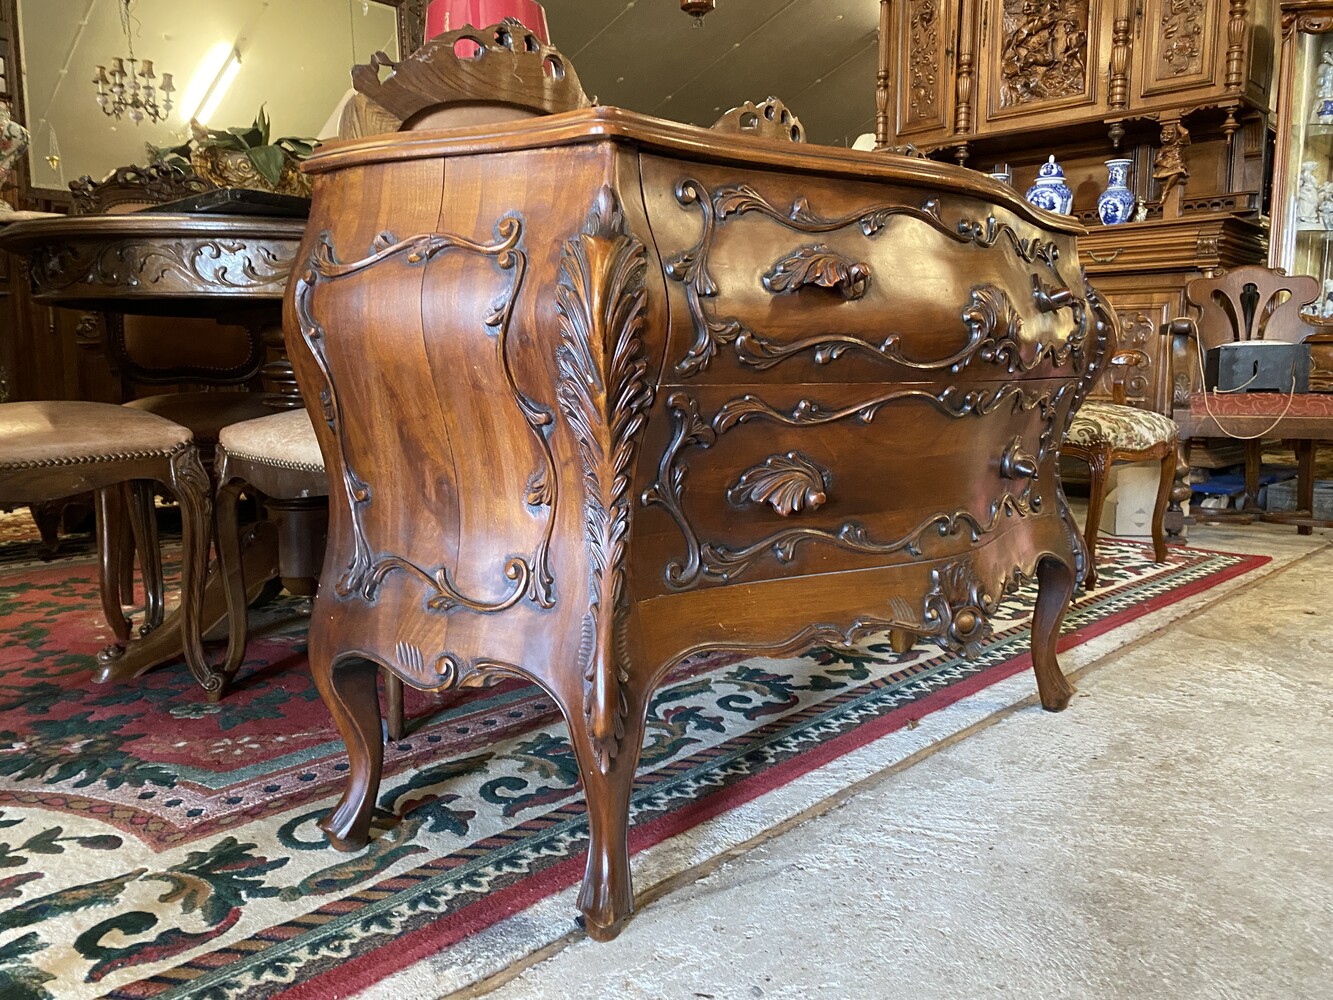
(1302, 206)
(1302, 237)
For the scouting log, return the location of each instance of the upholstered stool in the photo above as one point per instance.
(277, 455)
(1103, 433)
(50, 450)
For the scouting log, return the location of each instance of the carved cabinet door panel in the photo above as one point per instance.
(1178, 48)
(928, 29)
(1038, 62)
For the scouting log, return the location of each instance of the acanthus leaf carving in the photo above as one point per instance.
(788, 483)
(822, 267)
(604, 393)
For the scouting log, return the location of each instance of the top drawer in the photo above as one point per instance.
(821, 280)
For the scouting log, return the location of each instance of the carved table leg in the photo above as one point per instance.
(165, 644)
(111, 555)
(144, 524)
(303, 529)
(348, 688)
(1055, 587)
(1305, 482)
(606, 765)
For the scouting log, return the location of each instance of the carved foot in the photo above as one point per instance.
(604, 909)
(350, 693)
(606, 765)
(901, 640)
(110, 654)
(1055, 588)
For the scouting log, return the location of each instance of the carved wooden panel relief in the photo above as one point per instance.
(1181, 32)
(1177, 47)
(1044, 52)
(925, 72)
(923, 40)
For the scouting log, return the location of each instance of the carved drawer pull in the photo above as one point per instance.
(1050, 298)
(1109, 258)
(821, 266)
(1017, 463)
(789, 483)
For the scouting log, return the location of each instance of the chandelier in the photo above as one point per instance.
(130, 88)
(698, 8)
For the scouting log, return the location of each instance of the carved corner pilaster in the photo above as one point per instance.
(604, 394)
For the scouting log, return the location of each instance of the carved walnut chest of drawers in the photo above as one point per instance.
(597, 392)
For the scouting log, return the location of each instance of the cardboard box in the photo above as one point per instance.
(1130, 499)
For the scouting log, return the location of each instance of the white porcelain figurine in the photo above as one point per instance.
(1307, 194)
(1323, 100)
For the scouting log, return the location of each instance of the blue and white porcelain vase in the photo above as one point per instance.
(1116, 203)
(1051, 192)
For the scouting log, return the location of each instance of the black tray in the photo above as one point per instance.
(238, 201)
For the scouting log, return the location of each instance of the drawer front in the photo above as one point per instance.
(759, 483)
(801, 278)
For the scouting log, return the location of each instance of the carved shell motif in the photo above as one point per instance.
(789, 483)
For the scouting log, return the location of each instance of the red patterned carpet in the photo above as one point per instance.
(154, 845)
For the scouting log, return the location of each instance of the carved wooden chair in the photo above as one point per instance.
(278, 457)
(1249, 303)
(1102, 434)
(50, 450)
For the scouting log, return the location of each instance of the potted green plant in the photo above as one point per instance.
(242, 157)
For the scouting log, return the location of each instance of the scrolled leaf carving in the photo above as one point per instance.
(604, 393)
(822, 267)
(788, 483)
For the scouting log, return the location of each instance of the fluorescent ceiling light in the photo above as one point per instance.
(220, 88)
(210, 81)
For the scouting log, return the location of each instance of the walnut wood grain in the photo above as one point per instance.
(587, 478)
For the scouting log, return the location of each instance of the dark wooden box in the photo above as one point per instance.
(1258, 366)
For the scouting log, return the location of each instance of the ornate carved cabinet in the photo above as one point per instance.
(1179, 87)
(954, 71)
(597, 392)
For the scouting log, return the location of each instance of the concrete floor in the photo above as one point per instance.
(1170, 836)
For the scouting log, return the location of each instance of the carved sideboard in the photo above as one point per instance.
(598, 392)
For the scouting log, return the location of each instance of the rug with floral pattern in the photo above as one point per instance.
(154, 845)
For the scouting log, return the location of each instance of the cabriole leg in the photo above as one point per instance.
(348, 688)
(607, 897)
(1055, 588)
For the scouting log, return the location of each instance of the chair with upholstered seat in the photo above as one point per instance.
(278, 457)
(1104, 433)
(50, 450)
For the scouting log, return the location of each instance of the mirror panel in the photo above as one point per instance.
(292, 56)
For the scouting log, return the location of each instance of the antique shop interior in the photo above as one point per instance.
(666, 499)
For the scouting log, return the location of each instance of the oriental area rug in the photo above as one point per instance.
(155, 845)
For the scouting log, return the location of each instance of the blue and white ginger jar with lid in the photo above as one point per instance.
(1051, 192)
